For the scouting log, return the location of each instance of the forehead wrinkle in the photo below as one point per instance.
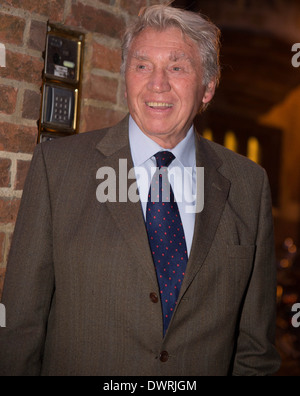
(176, 56)
(140, 56)
(173, 57)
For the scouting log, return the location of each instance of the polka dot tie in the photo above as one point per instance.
(166, 237)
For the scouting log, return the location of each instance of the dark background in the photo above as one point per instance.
(259, 96)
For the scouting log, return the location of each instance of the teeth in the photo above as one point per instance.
(156, 104)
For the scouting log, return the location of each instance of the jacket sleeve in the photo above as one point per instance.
(256, 354)
(29, 281)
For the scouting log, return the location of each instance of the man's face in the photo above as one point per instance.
(164, 84)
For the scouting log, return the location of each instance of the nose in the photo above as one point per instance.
(159, 81)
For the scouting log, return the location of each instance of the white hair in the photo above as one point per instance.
(194, 25)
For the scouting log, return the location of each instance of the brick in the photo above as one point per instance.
(37, 36)
(11, 29)
(53, 9)
(17, 138)
(31, 105)
(5, 167)
(133, 6)
(23, 68)
(22, 170)
(102, 88)
(2, 240)
(97, 21)
(9, 208)
(96, 118)
(8, 99)
(106, 58)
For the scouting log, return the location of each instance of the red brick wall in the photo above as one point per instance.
(23, 31)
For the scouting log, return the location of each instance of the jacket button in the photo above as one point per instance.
(164, 357)
(154, 298)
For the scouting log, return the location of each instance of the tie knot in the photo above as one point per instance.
(164, 158)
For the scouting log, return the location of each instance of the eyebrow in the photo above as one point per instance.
(137, 55)
(174, 57)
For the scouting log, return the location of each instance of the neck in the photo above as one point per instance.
(167, 142)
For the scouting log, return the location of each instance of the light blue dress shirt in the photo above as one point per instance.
(182, 173)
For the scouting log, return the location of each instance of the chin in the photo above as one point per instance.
(157, 129)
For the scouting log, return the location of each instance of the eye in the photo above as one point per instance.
(176, 68)
(142, 67)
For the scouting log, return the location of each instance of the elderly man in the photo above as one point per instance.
(149, 286)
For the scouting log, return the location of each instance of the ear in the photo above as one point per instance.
(210, 92)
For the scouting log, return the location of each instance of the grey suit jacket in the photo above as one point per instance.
(80, 273)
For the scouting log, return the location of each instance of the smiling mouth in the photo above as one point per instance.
(159, 106)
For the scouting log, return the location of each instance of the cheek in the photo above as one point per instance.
(190, 95)
(187, 89)
(132, 90)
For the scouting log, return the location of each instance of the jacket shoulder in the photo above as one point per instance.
(82, 143)
(74, 143)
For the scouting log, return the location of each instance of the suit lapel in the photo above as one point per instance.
(216, 190)
(128, 216)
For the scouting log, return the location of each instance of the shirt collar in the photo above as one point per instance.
(143, 148)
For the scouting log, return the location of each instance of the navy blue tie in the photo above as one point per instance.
(166, 237)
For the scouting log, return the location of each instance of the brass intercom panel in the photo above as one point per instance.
(61, 83)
